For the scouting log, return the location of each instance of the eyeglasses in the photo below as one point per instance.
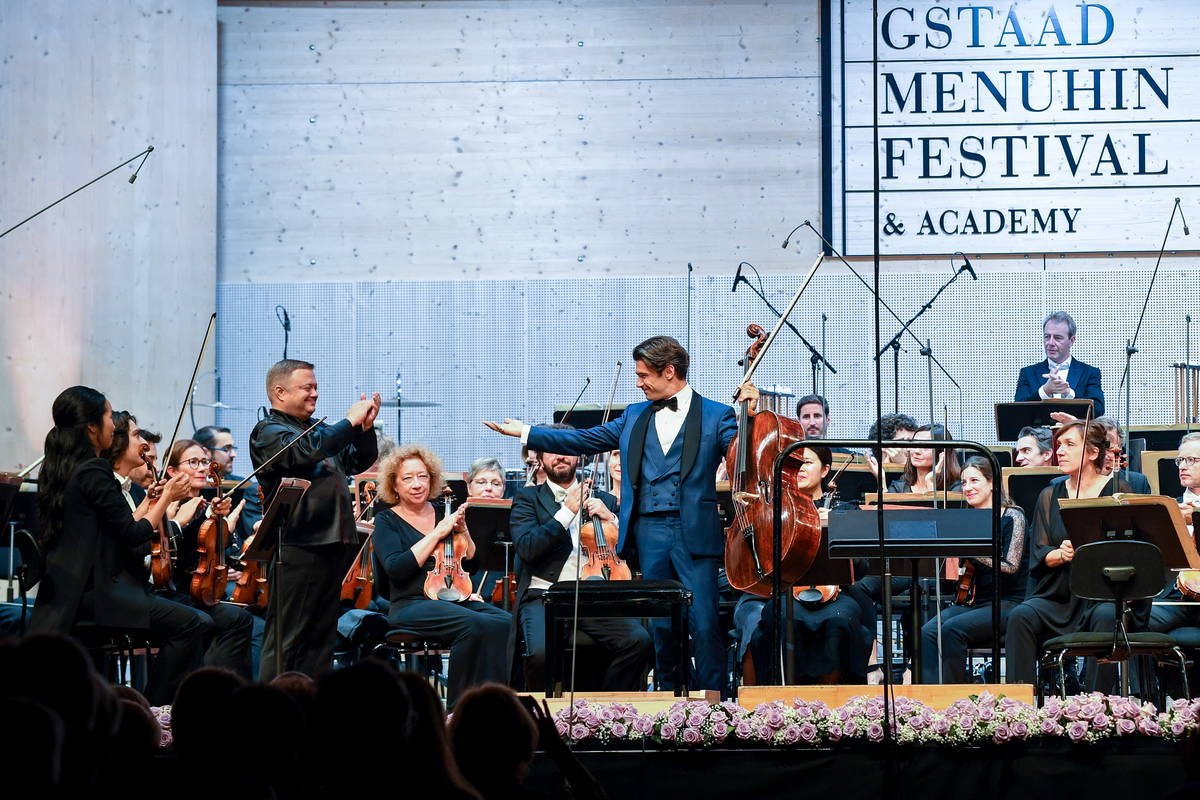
(409, 480)
(1187, 461)
(482, 482)
(227, 449)
(198, 463)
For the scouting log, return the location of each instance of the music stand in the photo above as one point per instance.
(919, 499)
(587, 415)
(1012, 417)
(1148, 518)
(267, 545)
(488, 524)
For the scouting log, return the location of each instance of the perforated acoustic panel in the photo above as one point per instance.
(494, 349)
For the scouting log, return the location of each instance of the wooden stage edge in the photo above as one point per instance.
(934, 696)
(750, 696)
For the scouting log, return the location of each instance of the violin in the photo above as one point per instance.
(964, 593)
(598, 541)
(358, 585)
(162, 559)
(448, 580)
(251, 588)
(750, 460)
(504, 593)
(815, 596)
(211, 575)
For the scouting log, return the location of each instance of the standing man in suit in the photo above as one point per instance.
(670, 448)
(545, 528)
(1060, 376)
(303, 612)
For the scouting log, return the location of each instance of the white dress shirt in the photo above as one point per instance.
(1062, 369)
(570, 520)
(126, 482)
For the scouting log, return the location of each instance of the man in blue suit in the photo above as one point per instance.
(670, 448)
(1060, 376)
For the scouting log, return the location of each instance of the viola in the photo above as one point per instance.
(964, 593)
(448, 580)
(162, 559)
(252, 588)
(504, 593)
(358, 585)
(598, 541)
(750, 461)
(211, 575)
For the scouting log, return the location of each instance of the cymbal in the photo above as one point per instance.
(223, 406)
(410, 404)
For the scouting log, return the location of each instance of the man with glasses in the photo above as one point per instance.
(1166, 618)
(304, 609)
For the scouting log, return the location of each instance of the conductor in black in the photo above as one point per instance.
(303, 612)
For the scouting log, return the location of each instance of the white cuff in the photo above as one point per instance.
(1042, 393)
(525, 435)
(564, 516)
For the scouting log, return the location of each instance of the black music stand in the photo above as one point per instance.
(488, 524)
(587, 415)
(1023, 485)
(1012, 417)
(268, 541)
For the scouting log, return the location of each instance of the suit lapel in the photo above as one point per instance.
(1074, 373)
(546, 498)
(691, 436)
(637, 445)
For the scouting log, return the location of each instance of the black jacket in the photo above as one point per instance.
(96, 548)
(326, 458)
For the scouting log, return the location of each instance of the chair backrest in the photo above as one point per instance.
(33, 560)
(1124, 569)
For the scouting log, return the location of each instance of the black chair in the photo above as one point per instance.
(28, 570)
(403, 647)
(1118, 572)
(598, 598)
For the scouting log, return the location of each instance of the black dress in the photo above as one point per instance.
(476, 632)
(1050, 609)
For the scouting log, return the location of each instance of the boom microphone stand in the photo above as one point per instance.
(815, 356)
(1131, 344)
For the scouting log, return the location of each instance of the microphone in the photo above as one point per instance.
(788, 238)
(737, 278)
(149, 150)
(1186, 232)
(286, 321)
(967, 266)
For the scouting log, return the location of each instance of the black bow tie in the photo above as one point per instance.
(671, 403)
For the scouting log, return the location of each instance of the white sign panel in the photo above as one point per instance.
(1022, 127)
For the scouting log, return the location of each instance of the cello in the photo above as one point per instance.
(448, 580)
(210, 578)
(750, 460)
(598, 559)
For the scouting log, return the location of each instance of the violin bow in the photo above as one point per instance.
(212, 323)
(1087, 422)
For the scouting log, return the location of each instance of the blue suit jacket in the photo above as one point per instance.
(1083, 378)
(707, 432)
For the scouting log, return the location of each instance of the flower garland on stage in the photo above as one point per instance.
(977, 720)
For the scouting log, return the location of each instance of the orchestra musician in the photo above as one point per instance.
(94, 544)
(485, 478)
(545, 527)
(928, 470)
(832, 638)
(233, 626)
(1164, 619)
(1050, 608)
(668, 492)
(407, 533)
(1034, 446)
(968, 625)
(895, 427)
(221, 448)
(1060, 375)
(614, 476)
(304, 608)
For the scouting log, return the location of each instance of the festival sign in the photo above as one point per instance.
(1024, 127)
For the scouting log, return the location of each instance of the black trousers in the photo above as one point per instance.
(228, 644)
(627, 645)
(963, 627)
(180, 632)
(476, 632)
(301, 623)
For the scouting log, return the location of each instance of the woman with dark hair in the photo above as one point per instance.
(830, 631)
(969, 624)
(1051, 609)
(929, 470)
(92, 542)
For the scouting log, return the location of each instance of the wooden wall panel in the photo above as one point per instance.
(113, 287)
